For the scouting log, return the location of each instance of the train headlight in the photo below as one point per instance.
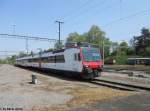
(86, 66)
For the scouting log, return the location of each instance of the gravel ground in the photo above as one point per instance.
(52, 93)
(17, 92)
(139, 102)
(126, 78)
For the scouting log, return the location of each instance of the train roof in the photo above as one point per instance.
(50, 53)
(43, 54)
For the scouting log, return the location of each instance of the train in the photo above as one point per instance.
(84, 62)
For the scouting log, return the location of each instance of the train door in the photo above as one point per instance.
(77, 66)
(40, 62)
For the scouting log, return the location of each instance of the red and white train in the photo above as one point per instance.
(85, 62)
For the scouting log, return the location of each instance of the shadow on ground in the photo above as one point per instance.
(59, 75)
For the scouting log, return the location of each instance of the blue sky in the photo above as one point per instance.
(36, 18)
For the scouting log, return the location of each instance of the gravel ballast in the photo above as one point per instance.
(52, 93)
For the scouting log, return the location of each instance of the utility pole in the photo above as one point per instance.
(120, 8)
(103, 52)
(59, 24)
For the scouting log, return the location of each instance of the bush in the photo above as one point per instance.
(146, 53)
(121, 60)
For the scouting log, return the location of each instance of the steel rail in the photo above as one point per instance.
(120, 85)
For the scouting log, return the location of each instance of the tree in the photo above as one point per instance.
(11, 60)
(142, 42)
(3, 61)
(75, 37)
(114, 47)
(48, 50)
(22, 54)
(58, 46)
(123, 46)
(95, 35)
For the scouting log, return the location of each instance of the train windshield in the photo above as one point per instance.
(91, 54)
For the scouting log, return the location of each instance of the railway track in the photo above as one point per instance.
(120, 85)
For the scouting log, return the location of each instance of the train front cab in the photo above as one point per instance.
(91, 61)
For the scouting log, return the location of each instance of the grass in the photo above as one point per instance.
(82, 97)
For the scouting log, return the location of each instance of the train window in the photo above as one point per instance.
(30, 60)
(35, 60)
(59, 59)
(51, 59)
(77, 57)
(43, 59)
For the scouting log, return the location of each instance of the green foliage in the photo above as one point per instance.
(75, 37)
(121, 58)
(114, 47)
(130, 51)
(12, 59)
(146, 53)
(8, 60)
(58, 46)
(48, 50)
(142, 42)
(95, 35)
(124, 44)
(2, 61)
(120, 52)
(22, 54)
